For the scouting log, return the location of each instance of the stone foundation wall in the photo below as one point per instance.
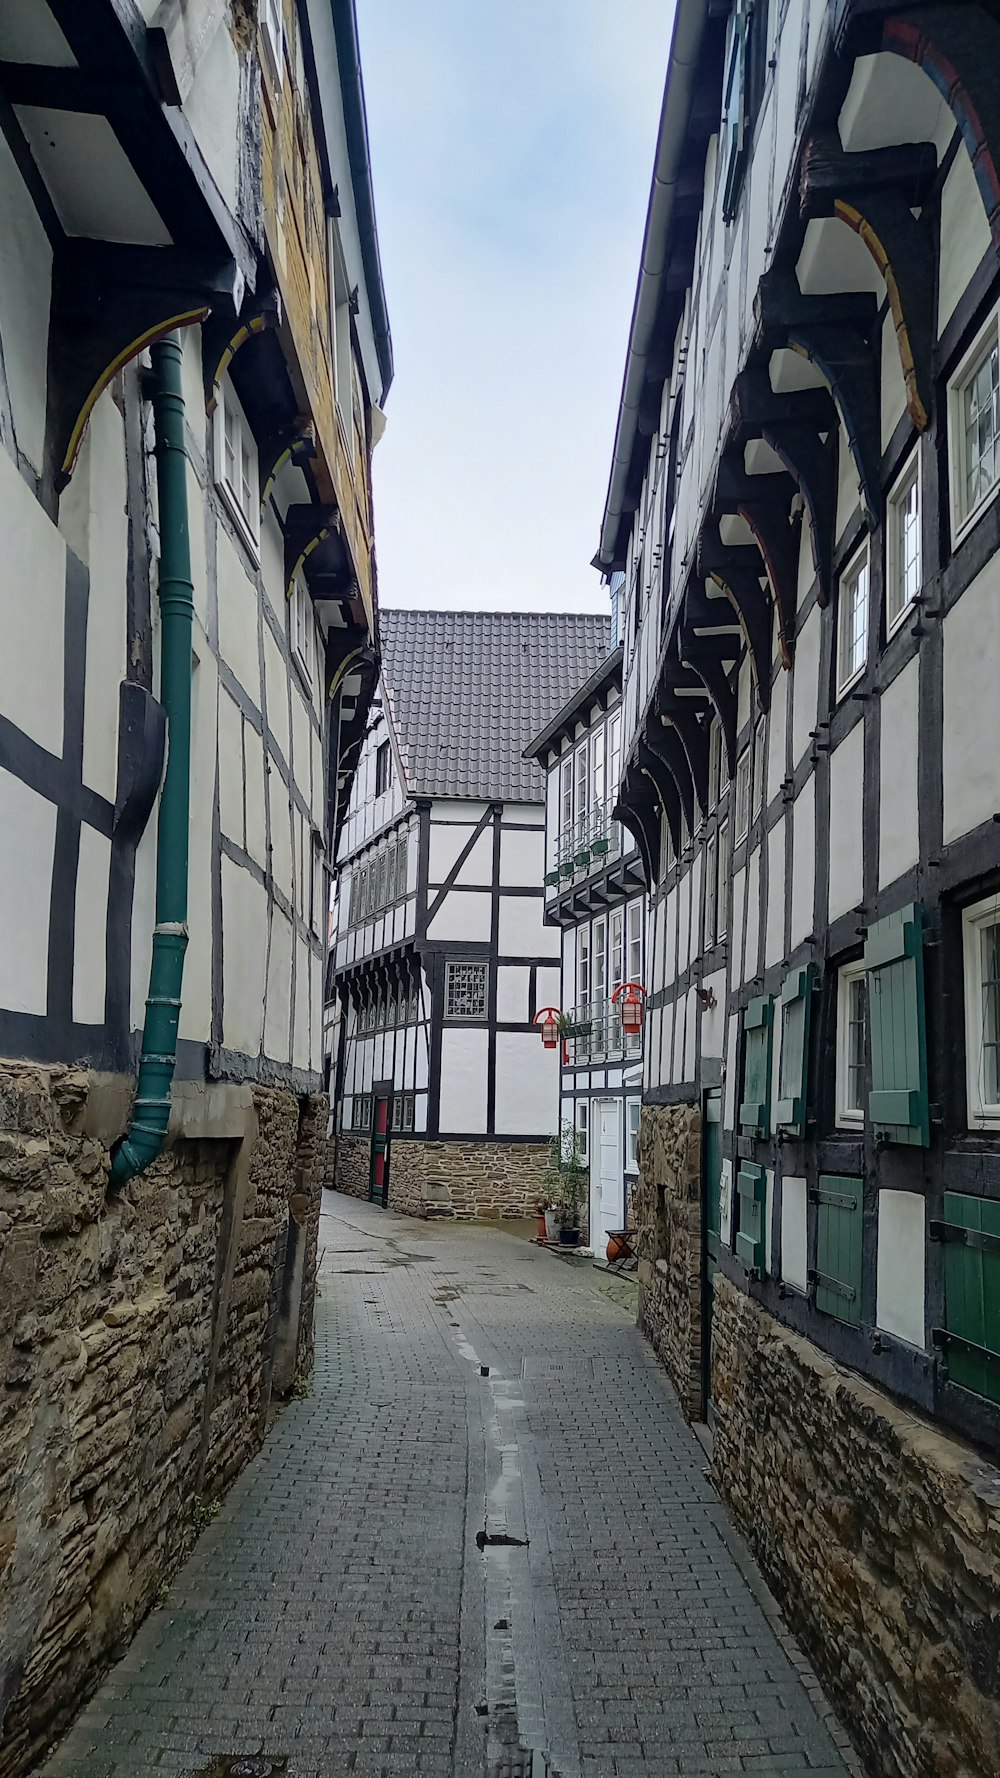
(665, 1208)
(139, 1330)
(354, 1165)
(879, 1535)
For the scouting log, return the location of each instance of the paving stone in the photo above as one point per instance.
(339, 1614)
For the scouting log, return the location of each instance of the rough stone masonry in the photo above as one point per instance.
(141, 1333)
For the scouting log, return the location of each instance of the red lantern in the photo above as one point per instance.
(630, 999)
(549, 1018)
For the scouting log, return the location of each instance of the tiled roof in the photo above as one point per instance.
(467, 690)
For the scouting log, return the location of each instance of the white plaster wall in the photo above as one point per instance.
(893, 389)
(244, 920)
(522, 933)
(547, 988)
(463, 914)
(737, 920)
(278, 988)
(965, 235)
(776, 734)
(276, 680)
(527, 1085)
(446, 844)
(751, 946)
(237, 616)
(848, 492)
(24, 308)
(32, 612)
(102, 541)
(196, 1009)
(774, 932)
(971, 705)
(713, 1019)
(477, 869)
(28, 823)
(522, 860)
(90, 927)
(302, 1017)
(512, 995)
(805, 688)
(464, 1068)
(256, 830)
(803, 862)
(231, 769)
(846, 822)
(898, 841)
(902, 1246)
(211, 108)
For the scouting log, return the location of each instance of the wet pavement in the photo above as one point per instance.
(484, 1543)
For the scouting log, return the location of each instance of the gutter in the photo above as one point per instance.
(690, 19)
(345, 26)
(145, 1136)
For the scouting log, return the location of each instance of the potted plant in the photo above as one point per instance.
(551, 1202)
(573, 1180)
(541, 1208)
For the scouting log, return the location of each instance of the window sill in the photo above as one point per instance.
(892, 629)
(849, 684)
(984, 1122)
(961, 531)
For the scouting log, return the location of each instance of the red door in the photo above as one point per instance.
(379, 1188)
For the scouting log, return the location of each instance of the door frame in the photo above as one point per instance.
(607, 1097)
(381, 1090)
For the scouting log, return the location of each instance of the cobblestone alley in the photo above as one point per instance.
(347, 1612)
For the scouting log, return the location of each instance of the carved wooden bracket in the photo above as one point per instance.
(222, 340)
(958, 48)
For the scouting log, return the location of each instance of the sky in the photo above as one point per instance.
(512, 146)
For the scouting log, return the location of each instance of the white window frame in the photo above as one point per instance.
(581, 790)
(273, 35)
(383, 751)
(848, 1116)
(583, 959)
(962, 520)
(632, 1135)
(982, 1114)
(597, 779)
(583, 1129)
(303, 628)
(744, 776)
(722, 883)
(633, 940)
(453, 964)
(758, 769)
(899, 494)
(710, 908)
(245, 518)
(859, 564)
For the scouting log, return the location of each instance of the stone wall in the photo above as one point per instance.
(354, 1159)
(879, 1535)
(138, 1333)
(666, 1210)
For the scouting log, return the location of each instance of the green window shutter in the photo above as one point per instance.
(755, 1106)
(732, 130)
(971, 1230)
(751, 1244)
(793, 1062)
(897, 1103)
(839, 1223)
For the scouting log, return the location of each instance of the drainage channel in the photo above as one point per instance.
(530, 1728)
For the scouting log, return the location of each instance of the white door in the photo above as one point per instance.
(607, 1189)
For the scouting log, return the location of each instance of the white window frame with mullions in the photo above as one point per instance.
(904, 549)
(466, 990)
(633, 1114)
(851, 982)
(982, 1011)
(974, 406)
(583, 1129)
(853, 614)
(304, 628)
(236, 474)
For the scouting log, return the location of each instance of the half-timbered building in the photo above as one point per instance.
(595, 894)
(193, 357)
(803, 501)
(443, 957)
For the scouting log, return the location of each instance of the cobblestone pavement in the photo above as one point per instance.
(347, 1612)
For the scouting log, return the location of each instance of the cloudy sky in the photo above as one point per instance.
(512, 148)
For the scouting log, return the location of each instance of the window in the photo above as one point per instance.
(903, 555)
(633, 1112)
(397, 1111)
(597, 772)
(745, 70)
(583, 1128)
(616, 968)
(981, 944)
(839, 1221)
(273, 36)
(465, 990)
(407, 1111)
(852, 640)
(634, 964)
(382, 769)
(722, 897)
(303, 627)
(759, 740)
(755, 1104)
(711, 885)
(666, 846)
(851, 1025)
(718, 766)
(583, 966)
(566, 796)
(974, 423)
(402, 866)
(366, 1112)
(614, 754)
(743, 775)
(236, 465)
(582, 792)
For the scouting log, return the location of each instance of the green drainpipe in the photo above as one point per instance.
(145, 1136)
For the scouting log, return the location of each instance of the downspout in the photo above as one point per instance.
(147, 1130)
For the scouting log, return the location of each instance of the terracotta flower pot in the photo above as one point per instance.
(540, 1225)
(615, 1249)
